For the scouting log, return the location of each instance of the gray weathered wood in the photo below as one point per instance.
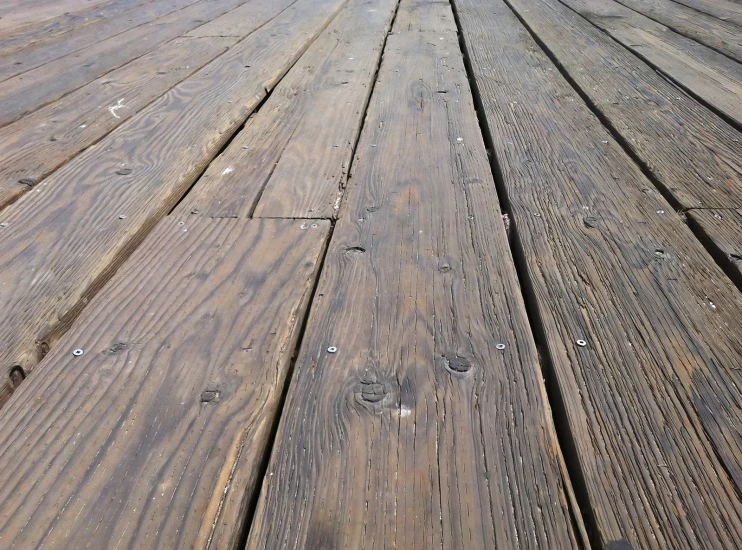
(417, 431)
(155, 436)
(66, 238)
(650, 399)
(722, 231)
(291, 159)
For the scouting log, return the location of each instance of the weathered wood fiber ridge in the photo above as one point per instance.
(329, 274)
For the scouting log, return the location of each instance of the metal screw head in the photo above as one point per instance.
(304, 226)
(537, 214)
(500, 346)
(122, 217)
(331, 349)
(3, 224)
(660, 211)
(78, 352)
(581, 343)
(314, 226)
(181, 223)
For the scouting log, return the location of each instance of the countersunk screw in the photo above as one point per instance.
(122, 217)
(3, 224)
(181, 223)
(500, 346)
(581, 343)
(304, 226)
(78, 352)
(331, 349)
(537, 214)
(314, 226)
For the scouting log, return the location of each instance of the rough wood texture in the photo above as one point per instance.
(715, 33)
(424, 16)
(693, 153)
(32, 147)
(39, 143)
(418, 432)
(721, 9)
(34, 54)
(65, 239)
(709, 76)
(42, 85)
(722, 230)
(651, 400)
(293, 155)
(17, 15)
(242, 20)
(154, 438)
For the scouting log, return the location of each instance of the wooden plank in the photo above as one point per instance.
(293, 155)
(695, 155)
(242, 20)
(19, 14)
(155, 436)
(715, 33)
(35, 145)
(425, 16)
(721, 9)
(66, 238)
(722, 231)
(20, 60)
(417, 431)
(40, 86)
(709, 76)
(640, 325)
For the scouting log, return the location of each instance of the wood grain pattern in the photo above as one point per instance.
(35, 54)
(154, 437)
(291, 159)
(709, 76)
(39, 143)
(715, 33)
(722, 230)
(425, 16)
(35, 145)
(242, 20)
(63, 240)
(692, 152)
(418, 432)
(721, 9)
(17, 15)
(35, 88)
(651, 399)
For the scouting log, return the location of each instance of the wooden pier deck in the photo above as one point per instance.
(365, 274)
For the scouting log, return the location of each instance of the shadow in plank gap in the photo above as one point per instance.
(147, 425)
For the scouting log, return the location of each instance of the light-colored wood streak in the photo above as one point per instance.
(694, 154)
(154, 437)
(710, 76)
(641, 327)
(35, 88)
(35, 145)
(63, 240)
(715, 33)
(417, 431)
(35, 54)
(293, 155)
(721, 9)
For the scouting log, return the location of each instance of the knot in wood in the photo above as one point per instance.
(209, 396)
(27, 181)
(456, 363)
(124, 171)
(372, 392)
(117, 348)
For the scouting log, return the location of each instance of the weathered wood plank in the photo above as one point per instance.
(20, 14)
(154, 437)
(242, 20)
(715, 33)
(66, 238)
(417, 431)
(32, 55)
(425, 16)
(692, 152)
(35, 145)
(38, 87)
(721, 9)
(641, 327)
(709, 76)
(291, 159)
(722, 230)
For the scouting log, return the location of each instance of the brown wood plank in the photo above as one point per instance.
(154, 437)
(15, 60)
(722, 230)
(40, 86)
(722, 36)
(293, 155)
(417, 431)
(721, 9)
(693, 153)
(35, 145)
(709, 76)
(65, 239)
(640, 325)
